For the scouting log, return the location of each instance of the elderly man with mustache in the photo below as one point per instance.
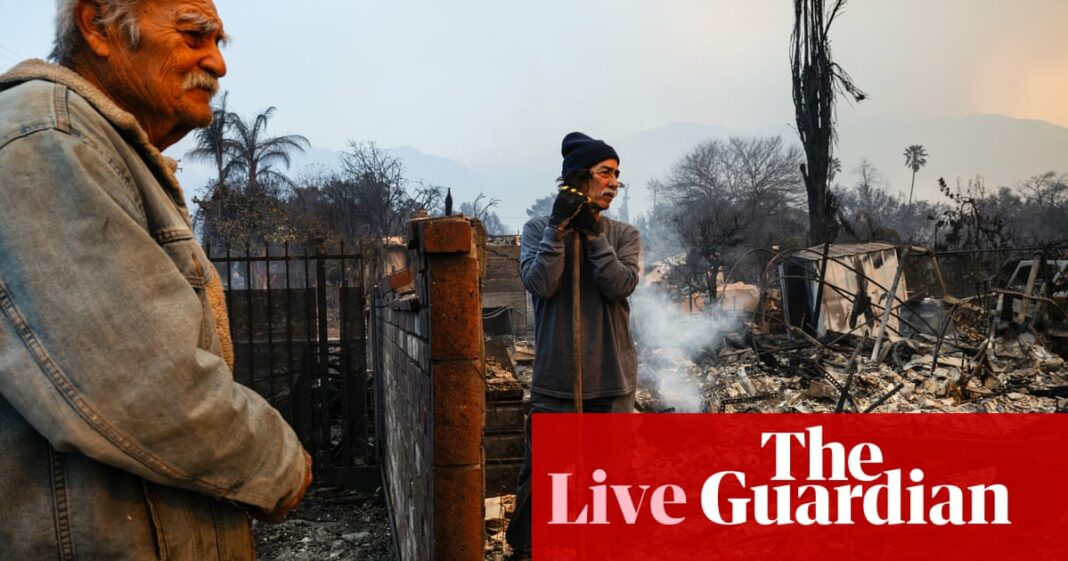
(122, 432)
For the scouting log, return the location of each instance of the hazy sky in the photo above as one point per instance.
(456, 77)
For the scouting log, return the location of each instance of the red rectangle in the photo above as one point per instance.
(915, 487)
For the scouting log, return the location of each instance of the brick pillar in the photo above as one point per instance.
(457, 369)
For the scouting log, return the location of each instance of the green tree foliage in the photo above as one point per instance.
(253, 155)
(243, 204)
(211, 139)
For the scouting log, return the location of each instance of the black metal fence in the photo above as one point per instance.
(297, 318)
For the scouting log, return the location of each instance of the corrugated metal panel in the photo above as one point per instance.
(844, 250)
(877, 262)
(845, 287)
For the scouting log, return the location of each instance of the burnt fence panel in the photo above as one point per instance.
(298, 323)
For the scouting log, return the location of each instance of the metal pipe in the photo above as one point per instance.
(818, 305)
(890, 297)
(1037, 263)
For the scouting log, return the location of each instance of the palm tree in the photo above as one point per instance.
(915, 158)
(817, 80)
(211, 139)
(254, 154)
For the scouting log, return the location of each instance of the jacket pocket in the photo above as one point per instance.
(194, 527)
(198, 271)
(184, 251)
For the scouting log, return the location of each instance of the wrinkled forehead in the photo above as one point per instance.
(200, 14)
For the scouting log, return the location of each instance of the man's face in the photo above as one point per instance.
(168, 80)
(603, 184)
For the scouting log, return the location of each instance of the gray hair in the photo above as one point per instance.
(69, 40)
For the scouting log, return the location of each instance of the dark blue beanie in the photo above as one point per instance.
(581, 152)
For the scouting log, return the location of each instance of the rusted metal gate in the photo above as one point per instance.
(300, 340)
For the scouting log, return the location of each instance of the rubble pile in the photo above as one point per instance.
(498, 511)
(836, 328)
(779, 375)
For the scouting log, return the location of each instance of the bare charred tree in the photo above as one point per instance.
(1046, 191)
(373, 188)
(976, 219)
(867, 212)
(370, 199)
(482, 209)
(1045, 209)
(816, 81)
(724, 196)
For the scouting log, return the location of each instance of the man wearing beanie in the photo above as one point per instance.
(610, 265)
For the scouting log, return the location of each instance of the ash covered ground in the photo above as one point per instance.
(330, 524)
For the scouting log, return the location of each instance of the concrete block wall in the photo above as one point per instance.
(430, 372)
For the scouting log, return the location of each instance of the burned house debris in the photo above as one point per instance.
(849, 349)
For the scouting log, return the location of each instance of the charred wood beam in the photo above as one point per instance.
(725, 402)
(851, 367)
(1023, 296)
(999, 250)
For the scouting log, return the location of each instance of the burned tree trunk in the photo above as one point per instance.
(816, 78)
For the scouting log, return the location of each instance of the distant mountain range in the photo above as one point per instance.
(1003, 150)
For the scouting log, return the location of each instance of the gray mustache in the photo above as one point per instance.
(201, 80)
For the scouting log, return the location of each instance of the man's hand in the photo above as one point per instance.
(569, 201)
(586, 222)
(280, 512)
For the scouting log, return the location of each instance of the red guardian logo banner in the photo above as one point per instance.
(800, 487)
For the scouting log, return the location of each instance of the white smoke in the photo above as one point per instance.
(670, 340)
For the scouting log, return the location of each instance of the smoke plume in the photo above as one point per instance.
(670, 340)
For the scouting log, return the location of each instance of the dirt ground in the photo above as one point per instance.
(344, 525)
(330, 524)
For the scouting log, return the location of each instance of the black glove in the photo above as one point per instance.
(586, 222)
(568, 203)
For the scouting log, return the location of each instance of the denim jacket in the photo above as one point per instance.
(122, 432)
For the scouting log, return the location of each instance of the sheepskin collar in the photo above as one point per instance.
(123, 121)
